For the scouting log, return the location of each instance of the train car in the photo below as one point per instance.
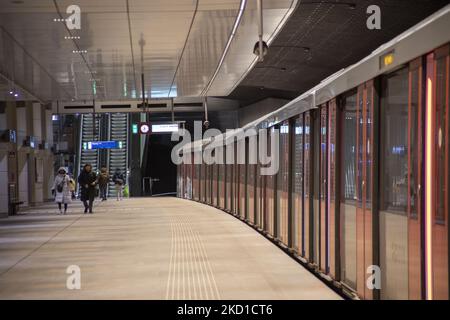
(362, 190)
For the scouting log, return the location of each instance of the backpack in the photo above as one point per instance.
(60, 186)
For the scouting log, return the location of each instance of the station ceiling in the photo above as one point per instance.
(322, 37)
(184, 47)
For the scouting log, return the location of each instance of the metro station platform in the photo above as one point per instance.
(146, 248)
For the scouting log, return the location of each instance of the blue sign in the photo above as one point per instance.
(102, 145)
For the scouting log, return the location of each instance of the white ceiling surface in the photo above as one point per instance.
(34, 53)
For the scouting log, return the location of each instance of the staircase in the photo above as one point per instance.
(117, 158)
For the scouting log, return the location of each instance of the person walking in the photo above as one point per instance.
(72, 186)
(103, 180)
(61, 190)
(87, 181)
(119, 181)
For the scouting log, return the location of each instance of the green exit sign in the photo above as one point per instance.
(134, 128)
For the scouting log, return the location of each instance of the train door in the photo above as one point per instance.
(242, 187)
(229, 179)
(401, 172)
(203, 182)
(316, 186)
(270, 194)
(215, 184)
(236, 181)
(356, 203)
(257, 192)
(251, 167)
(282, 199)
(297, 186)
(333, 191)
(307, 189)
(260, 195)
(437, 175)
(323, 189)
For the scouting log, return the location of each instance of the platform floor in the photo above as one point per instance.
(146, 248)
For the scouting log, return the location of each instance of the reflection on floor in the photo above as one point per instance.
(145, 248)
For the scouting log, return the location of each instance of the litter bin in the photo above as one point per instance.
(13, 201)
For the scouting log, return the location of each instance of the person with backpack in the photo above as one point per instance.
(119, 181)
(88, 182)
(103, 180)
(61, 190)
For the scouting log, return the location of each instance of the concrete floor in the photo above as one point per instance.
(146, 248)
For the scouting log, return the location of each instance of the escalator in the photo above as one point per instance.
(89, 132)
(117, 158)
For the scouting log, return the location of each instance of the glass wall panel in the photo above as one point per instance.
(348, 187)
(297, 187)
(394, 185)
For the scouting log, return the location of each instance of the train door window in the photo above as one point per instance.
(242, 177)
(204, 179)
(197, 182)
(236, 182)
(297, 186)
(316, 183)
(251, 167)
(270, 193)
(307, 192)
(348, 195)
(415, 171)
(394, 185)
(333, 241)
(283, 184)
(323, 189)
(257, 191)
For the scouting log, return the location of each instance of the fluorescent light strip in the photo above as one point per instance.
(428, 188)
(227, 47)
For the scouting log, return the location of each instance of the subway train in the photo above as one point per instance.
(361, 196)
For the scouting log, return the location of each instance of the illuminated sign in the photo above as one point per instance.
(135, 128)
(386, 60)
(165, 128)
(92, 145)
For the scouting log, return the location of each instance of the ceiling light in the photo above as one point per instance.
(352, 6)
(265, 48)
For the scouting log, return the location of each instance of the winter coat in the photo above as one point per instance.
(87, 178)
(65, 196)
(117, 177)
(103, 179)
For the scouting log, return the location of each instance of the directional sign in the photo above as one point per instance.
(165, 127)
(91, 145)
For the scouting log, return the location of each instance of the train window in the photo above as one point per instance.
(297, 188)
(349, 149)
(441, 116)
(394, 141)
(414, 143)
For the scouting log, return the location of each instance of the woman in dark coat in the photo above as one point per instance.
(87, 181)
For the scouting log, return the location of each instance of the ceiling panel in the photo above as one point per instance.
(336, 36)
